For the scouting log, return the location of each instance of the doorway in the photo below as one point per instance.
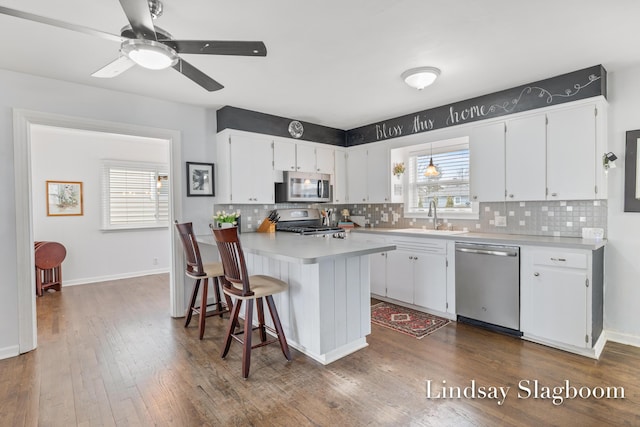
(24, 122)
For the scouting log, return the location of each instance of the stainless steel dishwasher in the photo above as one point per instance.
(488, 286)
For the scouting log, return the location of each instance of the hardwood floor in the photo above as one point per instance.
(109, 354)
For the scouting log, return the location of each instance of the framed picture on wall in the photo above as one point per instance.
(200, 179)
(64, 198)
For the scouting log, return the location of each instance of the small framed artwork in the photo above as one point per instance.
(200, 180)
(631, 175)
(64, 198)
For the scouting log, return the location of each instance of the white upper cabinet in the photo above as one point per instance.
(368, 174)
(305, 157)
(340, 176)
(526, 158)
(357, 175)
(378, 174)
(284, 155)
(325, 159)
(571, 154)
(302, 157)
(487, 163)
(245, 169)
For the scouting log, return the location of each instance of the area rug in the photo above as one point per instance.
(405, 320)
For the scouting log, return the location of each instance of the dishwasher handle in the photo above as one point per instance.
(494, 252)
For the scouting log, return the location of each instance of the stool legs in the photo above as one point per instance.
(203, 306)
(192, 303)
(248, 329)
(278, 326)
(233, 321)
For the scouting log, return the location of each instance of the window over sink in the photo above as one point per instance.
(449, 189)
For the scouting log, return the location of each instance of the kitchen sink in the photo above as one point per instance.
(430, 231)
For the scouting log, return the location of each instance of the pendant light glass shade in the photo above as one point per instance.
(431, 169)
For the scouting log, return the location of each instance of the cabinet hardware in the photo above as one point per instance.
(475, 197)
(546, 191)
(554, 194)
(536, 274)
(586, 282)
(511, 195)
(586, 339)
(559, 259)
(596, 189)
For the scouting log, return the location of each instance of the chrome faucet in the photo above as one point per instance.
(433, 213)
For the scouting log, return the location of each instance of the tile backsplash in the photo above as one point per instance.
(541, 218)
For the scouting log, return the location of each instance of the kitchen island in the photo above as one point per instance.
(326, 311)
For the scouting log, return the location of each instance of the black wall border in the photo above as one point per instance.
(573, 86)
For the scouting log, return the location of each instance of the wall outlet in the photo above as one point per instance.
(384, 217)
(501, 221)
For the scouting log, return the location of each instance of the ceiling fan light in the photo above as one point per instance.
(421, 77)
(149, 54)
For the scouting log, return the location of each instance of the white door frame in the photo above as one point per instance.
(22, 121)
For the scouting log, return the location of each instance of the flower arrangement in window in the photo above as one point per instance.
(229, 219)
(398, 169)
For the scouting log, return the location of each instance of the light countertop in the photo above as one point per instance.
(298, 249)
(495, 238)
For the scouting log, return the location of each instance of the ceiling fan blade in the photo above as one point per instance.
(114, 68)
(218, 47)
(139, 17)
(197, 76)
(60, 24)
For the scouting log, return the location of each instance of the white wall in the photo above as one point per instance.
(57, 97)
(93, 255)
(622, 262)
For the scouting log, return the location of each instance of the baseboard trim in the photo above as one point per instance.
(88, 280)
(11, 351)
(622, 338)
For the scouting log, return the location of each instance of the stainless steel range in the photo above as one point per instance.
(305, 221)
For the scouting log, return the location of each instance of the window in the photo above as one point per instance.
(135, 195)
(449, 189)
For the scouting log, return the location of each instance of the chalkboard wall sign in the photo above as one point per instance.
(573, 86)
(253, 121)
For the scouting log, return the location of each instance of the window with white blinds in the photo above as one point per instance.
(135, 195)
(450, 188)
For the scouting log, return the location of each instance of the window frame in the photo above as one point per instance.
(438, 147)
(161, 175)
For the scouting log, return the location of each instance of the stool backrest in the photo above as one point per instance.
(191, 249)
(235, 268)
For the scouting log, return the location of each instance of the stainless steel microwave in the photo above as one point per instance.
(304, 187)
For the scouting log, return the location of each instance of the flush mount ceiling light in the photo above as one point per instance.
(421, 77)
(149, 53)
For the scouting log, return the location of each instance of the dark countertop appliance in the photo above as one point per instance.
(306, 221)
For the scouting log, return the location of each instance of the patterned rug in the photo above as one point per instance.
(405, 320)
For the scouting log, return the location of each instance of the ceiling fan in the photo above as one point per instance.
(152, 47)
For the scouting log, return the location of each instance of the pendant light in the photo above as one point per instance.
(431, 169)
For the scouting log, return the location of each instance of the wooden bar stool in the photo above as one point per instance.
(244, 288)
(195, 269)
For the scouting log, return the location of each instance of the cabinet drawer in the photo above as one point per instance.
(560, 259)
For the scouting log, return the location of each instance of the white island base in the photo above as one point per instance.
(326, 311)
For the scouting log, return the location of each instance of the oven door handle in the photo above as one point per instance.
(487, 252)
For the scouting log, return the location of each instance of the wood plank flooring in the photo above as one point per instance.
(109, 355)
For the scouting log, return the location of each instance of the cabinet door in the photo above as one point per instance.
(250, 169)
(324, 160)
(378, 270)
(571, 154)
(305, 158)
(284, 155)
(559, 303)
(340, 177)
(378, 176)
(526, 158)
(357, 176)
(430, 281)
(487, 163)
(400, 275)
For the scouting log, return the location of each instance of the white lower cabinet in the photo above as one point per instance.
(415, 273)
(561, 297)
